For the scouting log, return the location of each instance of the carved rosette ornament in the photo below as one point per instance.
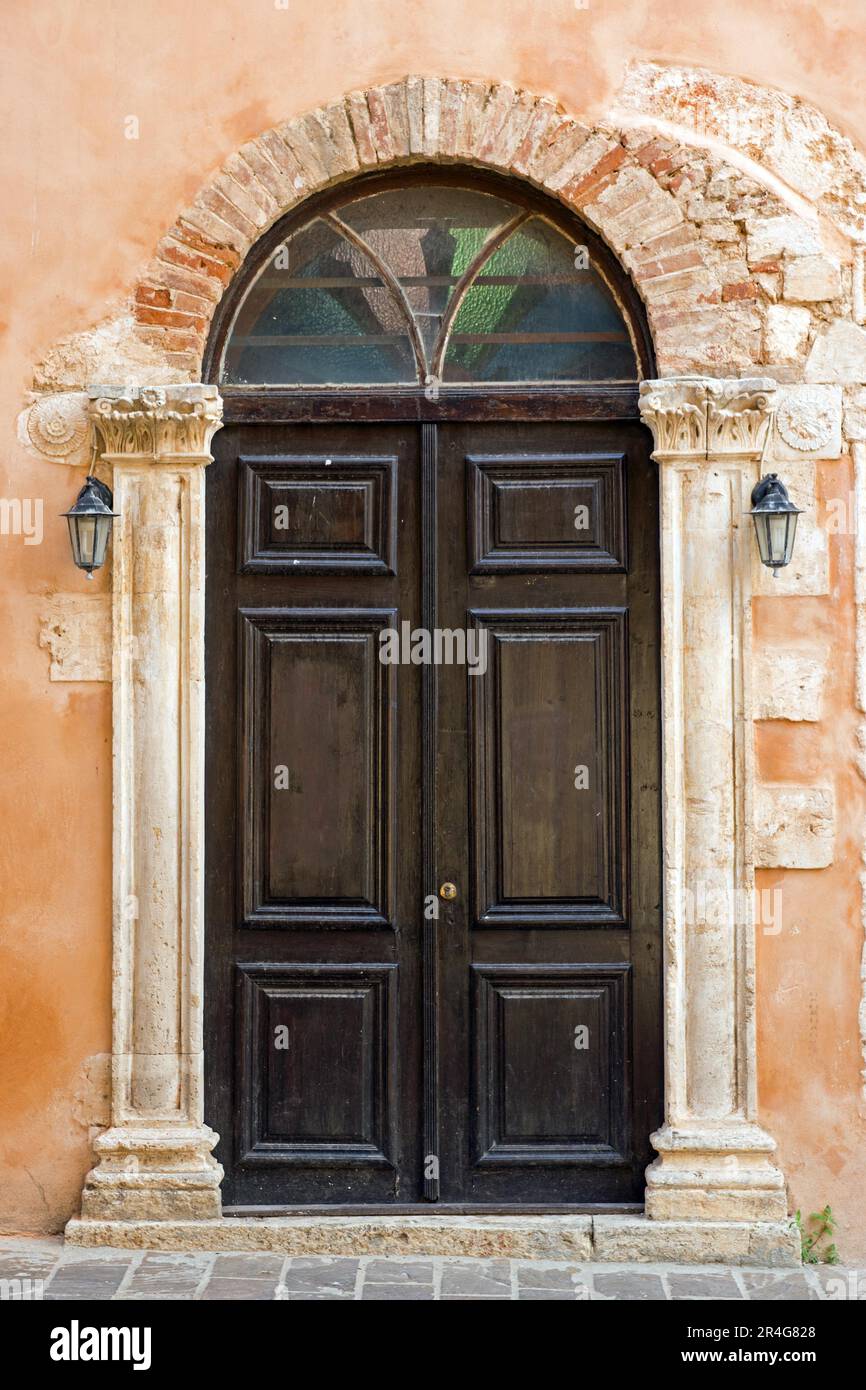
(56, 427)
(805, 419)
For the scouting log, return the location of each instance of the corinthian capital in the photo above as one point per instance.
(675, 409)
(166, 424)
(708, 417)
(739, 415)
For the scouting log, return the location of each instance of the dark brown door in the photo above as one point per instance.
(433, 887)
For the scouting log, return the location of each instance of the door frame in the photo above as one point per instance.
(154, 1163)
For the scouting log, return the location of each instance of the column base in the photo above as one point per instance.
(160, 1173)
(715, 1172)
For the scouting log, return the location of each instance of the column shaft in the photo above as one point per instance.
(155, 1160)
(714, 1159)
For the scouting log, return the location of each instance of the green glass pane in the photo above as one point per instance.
(539, 311)
(427, 237)
(318, 313)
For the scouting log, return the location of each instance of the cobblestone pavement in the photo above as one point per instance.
(59, 1273)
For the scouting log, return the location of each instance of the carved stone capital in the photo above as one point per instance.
(165, 424)
(675, 409)
(704, 418)
(739, 414)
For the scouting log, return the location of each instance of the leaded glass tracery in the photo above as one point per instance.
(428, 283)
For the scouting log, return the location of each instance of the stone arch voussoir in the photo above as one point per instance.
(631, 186)
(732, 229)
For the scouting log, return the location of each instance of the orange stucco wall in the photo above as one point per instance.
(83, 210)
(808, 973)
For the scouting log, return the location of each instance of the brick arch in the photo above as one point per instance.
(624, 184)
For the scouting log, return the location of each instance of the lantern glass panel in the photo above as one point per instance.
(100, 544)
(775, 534)
(781, 537)
(82, 532)
(89, 537)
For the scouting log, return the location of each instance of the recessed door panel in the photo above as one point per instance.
(318, 1052)
(549, 796)
(313, 514)
(551, 1082)
(540, 512)
(316, 810)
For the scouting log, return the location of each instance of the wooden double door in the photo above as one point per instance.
(433, 812)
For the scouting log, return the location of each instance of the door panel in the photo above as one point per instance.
(541, 512)
(311, 514)
(313, 1052)
(363, 1045)
(549, 998)
(533, 1104)
(305, 668)
(545, 716)
(331, 1022)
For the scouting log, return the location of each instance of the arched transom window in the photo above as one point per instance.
(428, 283)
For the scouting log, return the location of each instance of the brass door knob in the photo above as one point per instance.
(448, 891)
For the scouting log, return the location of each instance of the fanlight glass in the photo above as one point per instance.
(428, 284)
(536, 312)
(429, 237)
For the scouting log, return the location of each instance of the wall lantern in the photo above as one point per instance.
(90, 520)
(775, 518)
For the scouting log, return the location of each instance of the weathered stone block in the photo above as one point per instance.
(77, 632)
(719, 230)
(512, 1237)
(795, 827)
(838, 354)
(635, 1238)
(788, 684)
(855, 415)
(813, 278)
(786, 333)
(773, 236)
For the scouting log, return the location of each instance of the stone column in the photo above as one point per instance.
(714, 1161)
(155, 1160)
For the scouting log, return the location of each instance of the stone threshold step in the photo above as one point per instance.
(585, 1238)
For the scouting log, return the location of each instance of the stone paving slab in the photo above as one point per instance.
(45, 1268)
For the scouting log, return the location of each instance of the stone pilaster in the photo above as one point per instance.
(714, 1161)
(155, 1160)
